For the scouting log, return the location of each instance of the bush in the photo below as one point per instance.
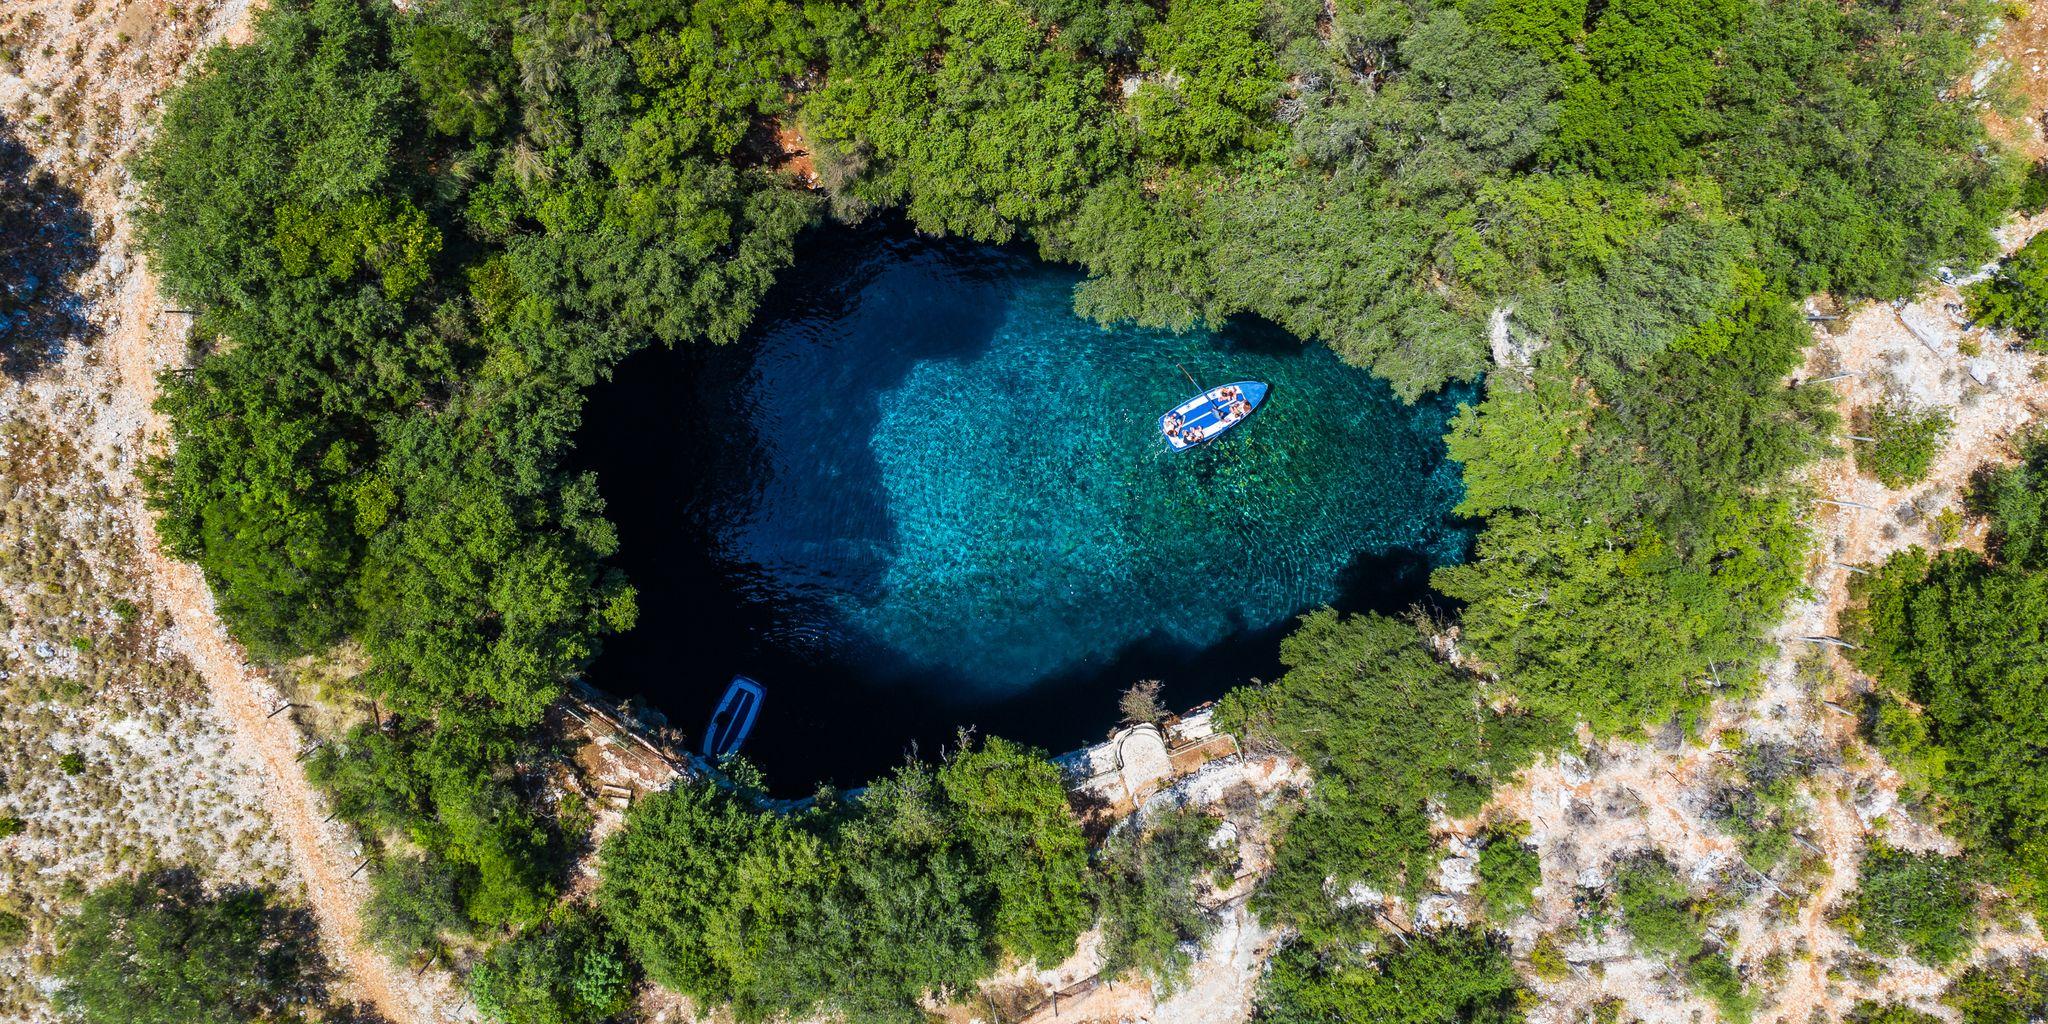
(414, 901)
(1148, 876)
(570, 971)
(1446, 977)
(1873, 1012)
(2009, 991)
(2017, 297)
(1921, 902)
(13, 928)
(164, 950)
(1509, 871)
(12, 825)
(1658, 910)
(1960, 636)
(1905, 444)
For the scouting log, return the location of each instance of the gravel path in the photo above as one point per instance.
(110, 63)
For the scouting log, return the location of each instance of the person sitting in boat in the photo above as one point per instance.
(1172, 424)
(1229, 394)
(1240, 409)
(1193, 435)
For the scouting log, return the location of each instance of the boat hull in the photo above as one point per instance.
(734, 718)
(1206, 416)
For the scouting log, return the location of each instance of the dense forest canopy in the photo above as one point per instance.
(415, 238)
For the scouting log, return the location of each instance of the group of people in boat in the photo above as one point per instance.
(1235, 408)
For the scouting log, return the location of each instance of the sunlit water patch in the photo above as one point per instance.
(924, 494)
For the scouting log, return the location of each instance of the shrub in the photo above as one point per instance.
(72, 763)
(2011, 991)
(1147, 892)
(1458, 974)
(12, 825)
(164, 950)
(1922, 902)
(13, 928)
(1509, 871)
(413, 902)
(1905, 444)
(571, 971)
(2017, 297)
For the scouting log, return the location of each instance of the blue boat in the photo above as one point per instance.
(734, 718)
(1206, 416)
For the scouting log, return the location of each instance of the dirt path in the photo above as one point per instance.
(325, 855)
(97, 75)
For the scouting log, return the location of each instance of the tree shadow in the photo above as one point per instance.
(45, 244)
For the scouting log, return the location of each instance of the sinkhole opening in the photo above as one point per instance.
(922, 495)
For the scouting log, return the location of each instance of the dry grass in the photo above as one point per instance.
(85, 685)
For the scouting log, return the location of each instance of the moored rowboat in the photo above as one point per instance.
(733, 719)
(1207, 415)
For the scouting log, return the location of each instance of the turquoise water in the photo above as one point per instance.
(923, 493)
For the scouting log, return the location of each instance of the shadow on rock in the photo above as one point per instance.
(45, 244)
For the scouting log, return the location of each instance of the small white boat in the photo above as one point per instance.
(734, 718)
(1209, 414)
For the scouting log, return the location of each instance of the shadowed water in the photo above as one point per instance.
(923, 494)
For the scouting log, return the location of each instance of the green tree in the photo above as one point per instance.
(1667, 922)
(2016, 298)
(699, 886)
(569, 971)
(414, 902)
(1924, 903)
(163, 949)
(959, 111)
(1456, 976)
(1010, 804)
(1387, 727)
(1960, 637)
(1211, 80)
(1509, 871)
(1148, 873)
(1648, 72)
(1872, 1012)
(2007, 991)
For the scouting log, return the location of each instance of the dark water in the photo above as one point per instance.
(923, 494)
